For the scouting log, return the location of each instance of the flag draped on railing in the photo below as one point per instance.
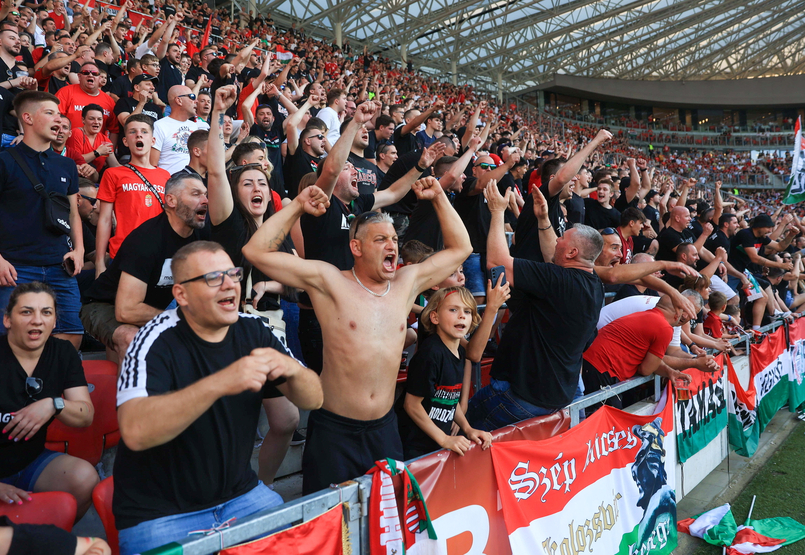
(796, 184)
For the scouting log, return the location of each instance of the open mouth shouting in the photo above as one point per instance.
(201, 214)
(256, 202)
(139, 145)
(35, 334)
(228, 303)
(390, 262)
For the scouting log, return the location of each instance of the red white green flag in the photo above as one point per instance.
(283, 55)
(700, 419)
(605, 486)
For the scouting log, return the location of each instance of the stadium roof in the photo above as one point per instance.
(524, 42)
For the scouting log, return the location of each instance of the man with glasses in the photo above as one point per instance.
(171, 133)
(55, 74)
(73, 99)
(189, 397)
(137, 285)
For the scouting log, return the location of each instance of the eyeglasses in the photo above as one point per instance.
(93, 73)
(485, 166)
(608, 231)
(33, 386)
(191, 96)
(319, 137)
(253, 165)
(15, 13)
(216, 279)
(91, 200)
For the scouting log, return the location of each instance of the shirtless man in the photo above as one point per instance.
(362, 313)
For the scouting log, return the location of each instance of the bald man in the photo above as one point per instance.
(171, 133)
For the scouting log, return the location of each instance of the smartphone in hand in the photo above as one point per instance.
(495, 273)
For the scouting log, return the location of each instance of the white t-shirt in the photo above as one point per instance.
(330, 119)
(630, 305)
(171, 141)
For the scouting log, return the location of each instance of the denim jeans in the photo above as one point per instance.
(496, 406)
(475, 275)
(68, 299)
(155, 533)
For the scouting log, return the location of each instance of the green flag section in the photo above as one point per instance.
(716, 526)
(751, 409)
(796, 379)
(701, 418)
(796, 184)
(604, 486)
(781, 528)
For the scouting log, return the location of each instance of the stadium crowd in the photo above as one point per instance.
(245, 230)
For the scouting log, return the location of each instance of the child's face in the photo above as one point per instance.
(456, 279)
(453, 317)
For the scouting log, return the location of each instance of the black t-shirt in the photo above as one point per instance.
(127, 104)
(653, 216)
(628, 290)
(398, 169)
(696, 227)
(717, 239)
(122, 87)
(327, 237)
(669, 239)
(540, 354)
(576, 212)
(404, 143)
(423, 225)
(435, 374)
(169, 75)
(296, 166)
(197, 71)
(621, 203)
(526, 235)
(55, 85)
(59, 368)
(208, 463)
(233, 234)
(745, 239)
(368, 175)
(273, 138)
(146, 259)
(39, 538)
(475, 214)
(598, 217)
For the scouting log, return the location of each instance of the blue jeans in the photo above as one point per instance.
(496, 406)
(26, 478)
(475, 275)
(68, 299)
(158, 532)
(290, 313)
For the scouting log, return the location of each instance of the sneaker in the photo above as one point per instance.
(298, 438)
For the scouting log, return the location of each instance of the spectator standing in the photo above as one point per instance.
(332, 114)
(74, 98)
(171, 133)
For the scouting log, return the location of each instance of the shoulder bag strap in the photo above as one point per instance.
(147, 184)
(37, 184)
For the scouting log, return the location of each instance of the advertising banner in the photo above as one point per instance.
(796, 379)
(605, 486)
(701, 418)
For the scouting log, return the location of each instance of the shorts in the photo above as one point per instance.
(475, 275)
(100, 322)
(26, 478)
(68, 299)
(340, 448)
(718, 284)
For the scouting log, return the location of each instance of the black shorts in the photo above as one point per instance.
(340, 448)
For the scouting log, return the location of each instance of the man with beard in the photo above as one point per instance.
(137, 286)
(54, 75)
(269, 127)
(74, 98)
(368, 175)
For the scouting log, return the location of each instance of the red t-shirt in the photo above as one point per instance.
(627, 247)
(621, 346)
(713, 326)
(80, 142)
(72, 100)
(133, 202)
(58, 19)
(247, 90)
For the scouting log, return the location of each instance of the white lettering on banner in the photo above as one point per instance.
(768, 378)
(550, 478)
(389, 516)
(473, 519)
(607, 443)
(693, 413)
(741, 411)
(798, 360)
(582, 537)
(657, 540)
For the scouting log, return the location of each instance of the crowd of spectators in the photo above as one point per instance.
(222, 218)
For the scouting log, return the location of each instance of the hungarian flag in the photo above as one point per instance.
(700, 419)
(205, 39)
(283, 55)
(768, 534)
(796, 379)
(604, 486)
(716, 526)
(322, 535)
(796, 184)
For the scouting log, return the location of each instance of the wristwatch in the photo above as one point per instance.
(58, 404)
(95, 152)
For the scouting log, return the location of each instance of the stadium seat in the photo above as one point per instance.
(88, 443)
(93, 367)
(48, 507)
(102, 499)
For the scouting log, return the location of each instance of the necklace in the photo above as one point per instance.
(383, 294)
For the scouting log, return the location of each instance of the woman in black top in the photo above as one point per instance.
(238, 206)
(41, 378)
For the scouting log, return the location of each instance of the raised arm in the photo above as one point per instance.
(572, 166)
(399, 188)
(458, 167)
(457, 246)
(218, 190)
(497, 248)
(718, 204)
(293, 120)
(410, 126)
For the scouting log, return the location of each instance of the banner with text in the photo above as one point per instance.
(701, 418)
(796, 379)
(751, 408)
(605, 486)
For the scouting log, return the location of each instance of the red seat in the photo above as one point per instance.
(92, 367)
(88, 443)
(102, 499)
(48, 507)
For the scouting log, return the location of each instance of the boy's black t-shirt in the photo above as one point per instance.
(296, 166)
(59, 368)
(598, 217)
(436, 375)
(746, 239)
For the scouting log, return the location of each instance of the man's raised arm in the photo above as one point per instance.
(572, 167)
(457, 246)
(262, 250)
(400, 188)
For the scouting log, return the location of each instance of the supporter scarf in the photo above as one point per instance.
(386, 534)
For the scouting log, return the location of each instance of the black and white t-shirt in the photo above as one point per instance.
(368, 174)
(209, 462)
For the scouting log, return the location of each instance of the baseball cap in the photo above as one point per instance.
(145, 77)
